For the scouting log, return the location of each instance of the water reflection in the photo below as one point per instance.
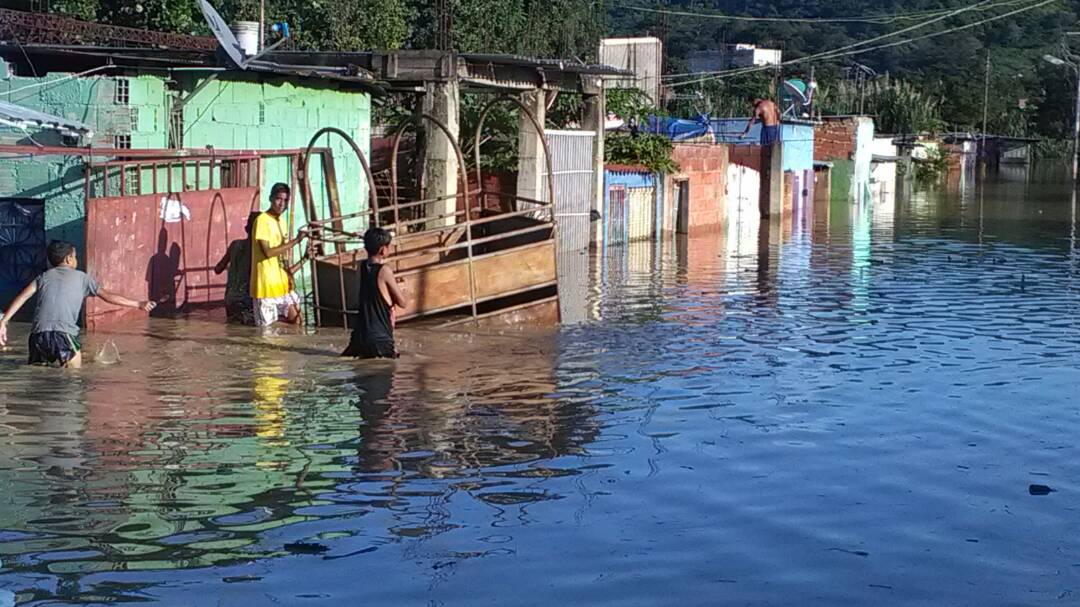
(842, 411)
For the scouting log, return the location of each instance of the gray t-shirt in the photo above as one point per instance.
(60, 293)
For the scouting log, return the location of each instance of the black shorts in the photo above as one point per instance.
(370, 348)
(53, 348)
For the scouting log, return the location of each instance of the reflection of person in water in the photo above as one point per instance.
(377, 445)
(161, 274)
(269, 395)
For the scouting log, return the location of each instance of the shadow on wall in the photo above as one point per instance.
(161, 275)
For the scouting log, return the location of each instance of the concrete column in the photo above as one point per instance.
(531, 164)
(595, 116)
(771, 194)
(441, 172)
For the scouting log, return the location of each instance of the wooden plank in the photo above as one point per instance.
(435, 288)
(515, 269)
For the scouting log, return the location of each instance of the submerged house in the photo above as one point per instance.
(846, 144)
(153, 158)
(188, 144)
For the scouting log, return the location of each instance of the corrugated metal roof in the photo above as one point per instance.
(184, 59)
(22, 118)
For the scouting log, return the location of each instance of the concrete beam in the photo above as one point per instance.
(441, 172)
(531, 163)
(771, 193)
(593, 120)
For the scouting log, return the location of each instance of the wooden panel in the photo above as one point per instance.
(515, 269)
(543, 313)
(434, 288)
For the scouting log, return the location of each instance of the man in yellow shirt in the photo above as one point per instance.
(271, 288)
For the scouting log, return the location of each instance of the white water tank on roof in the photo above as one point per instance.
(247, 34)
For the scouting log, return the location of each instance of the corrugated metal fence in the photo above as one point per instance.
(571, 158)
(572, 161)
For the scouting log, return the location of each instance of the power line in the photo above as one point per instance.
(836, 53)
(910, 28)
(878, 19)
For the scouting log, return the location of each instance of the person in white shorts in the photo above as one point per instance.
(272, 293)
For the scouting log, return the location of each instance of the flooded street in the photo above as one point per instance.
(850, 410)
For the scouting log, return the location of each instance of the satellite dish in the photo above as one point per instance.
(224, 35)
(798, 95)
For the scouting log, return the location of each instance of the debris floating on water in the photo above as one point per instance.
(109, 354)
(306, 548)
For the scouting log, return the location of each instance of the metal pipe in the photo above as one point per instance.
(1076, 127)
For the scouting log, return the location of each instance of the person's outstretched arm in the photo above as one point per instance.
(750, 123)
(388, 279)
(20, 299)
(224, 263)
(120, 300)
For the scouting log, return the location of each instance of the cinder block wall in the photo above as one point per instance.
(267, 114)
(705, 167)
(58, 180)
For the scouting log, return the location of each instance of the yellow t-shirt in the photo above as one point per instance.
(268, 275)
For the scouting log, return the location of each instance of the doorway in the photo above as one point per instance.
(682, 209)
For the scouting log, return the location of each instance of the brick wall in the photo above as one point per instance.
(705, 167)
(748, 156)
(835, 139)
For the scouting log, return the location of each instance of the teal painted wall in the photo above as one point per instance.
(245, 113)
(278, 114)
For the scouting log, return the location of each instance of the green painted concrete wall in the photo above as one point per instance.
(277, 114)
(229, 113)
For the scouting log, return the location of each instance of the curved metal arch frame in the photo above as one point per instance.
(400, 132)
(373, 197)
(539, 129)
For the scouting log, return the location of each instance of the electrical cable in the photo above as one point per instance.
(879, 19)
(58, 80)
(837, 52)
(898, 32)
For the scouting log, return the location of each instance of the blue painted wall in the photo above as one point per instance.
(797, 138)
(629, 180)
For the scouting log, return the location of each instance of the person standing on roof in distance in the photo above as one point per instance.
(273, 297)
(769, 115)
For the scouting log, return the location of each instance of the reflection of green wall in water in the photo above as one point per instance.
(843, 172)
(205, 479)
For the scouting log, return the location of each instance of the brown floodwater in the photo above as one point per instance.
(859, 407)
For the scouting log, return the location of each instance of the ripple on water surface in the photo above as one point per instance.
(844, 411)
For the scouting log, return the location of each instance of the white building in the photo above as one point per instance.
(642, 56)
(732, 56)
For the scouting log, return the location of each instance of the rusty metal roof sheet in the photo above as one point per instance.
(69, 58)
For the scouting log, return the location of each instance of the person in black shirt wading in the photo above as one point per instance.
(373, 336)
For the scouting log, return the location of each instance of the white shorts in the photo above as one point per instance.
(270, 309)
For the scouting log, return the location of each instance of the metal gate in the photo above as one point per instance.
(572, 162)
(642, 213)
(616, 216)
(22, 244)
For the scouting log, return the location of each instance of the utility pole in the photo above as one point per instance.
(1076, 118)
(262, 25)
(986, 94)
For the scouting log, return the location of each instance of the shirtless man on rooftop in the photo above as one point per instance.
(767, 112)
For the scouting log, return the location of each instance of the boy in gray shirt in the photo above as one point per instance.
(54, 335)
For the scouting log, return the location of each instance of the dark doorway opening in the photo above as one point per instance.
(682, 211)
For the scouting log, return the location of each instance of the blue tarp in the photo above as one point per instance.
(678, 129)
